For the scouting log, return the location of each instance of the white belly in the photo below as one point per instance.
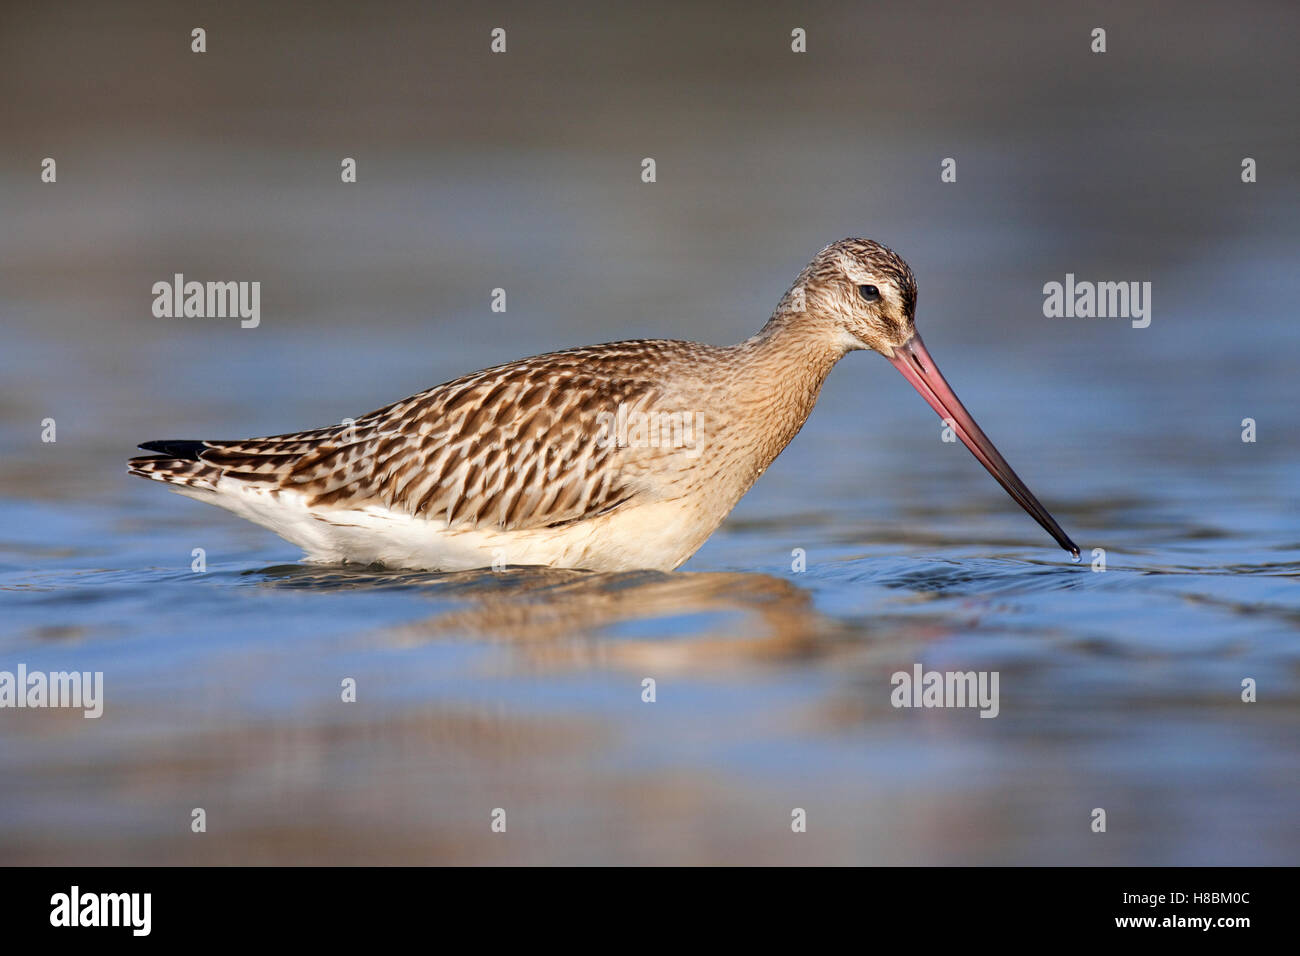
(655, 536)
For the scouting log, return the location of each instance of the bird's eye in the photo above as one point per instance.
(869, 292)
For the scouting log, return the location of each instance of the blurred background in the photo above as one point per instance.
(522, 690)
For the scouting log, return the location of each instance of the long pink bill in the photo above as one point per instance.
(914, 361)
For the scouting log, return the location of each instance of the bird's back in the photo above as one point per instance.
(536, 443)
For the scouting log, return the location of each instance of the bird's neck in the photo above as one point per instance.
(782, 369)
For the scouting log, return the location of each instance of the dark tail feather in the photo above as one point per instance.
(201, 464)
(176, 448)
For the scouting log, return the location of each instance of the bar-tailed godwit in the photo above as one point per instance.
(609, 457)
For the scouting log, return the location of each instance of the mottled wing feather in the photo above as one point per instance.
(512, 447)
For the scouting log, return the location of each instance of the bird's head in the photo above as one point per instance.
(858, 294)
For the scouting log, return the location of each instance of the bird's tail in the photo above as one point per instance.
(178, 464)
(256, 463)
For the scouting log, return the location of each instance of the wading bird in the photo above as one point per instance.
(608, 457)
